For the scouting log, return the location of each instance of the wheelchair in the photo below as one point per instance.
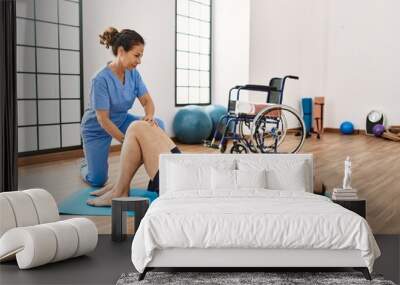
(270, 127)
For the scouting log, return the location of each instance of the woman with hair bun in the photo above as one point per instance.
(113, 91)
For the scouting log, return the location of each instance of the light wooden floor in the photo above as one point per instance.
(376, 174)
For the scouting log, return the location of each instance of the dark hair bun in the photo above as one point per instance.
(109, 36)
(126, 39)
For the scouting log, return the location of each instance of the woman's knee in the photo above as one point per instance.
(137, 127)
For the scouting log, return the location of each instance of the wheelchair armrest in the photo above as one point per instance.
(262, 88)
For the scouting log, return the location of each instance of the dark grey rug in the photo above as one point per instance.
(273, 278)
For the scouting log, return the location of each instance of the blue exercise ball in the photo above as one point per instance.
(347, 128)
(192, 125)
(215, 112)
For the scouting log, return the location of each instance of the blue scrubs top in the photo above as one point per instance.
(108, 93)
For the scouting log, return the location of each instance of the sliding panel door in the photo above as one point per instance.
(49, 75)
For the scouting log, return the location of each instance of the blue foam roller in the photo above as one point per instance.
(308, 122)
(307, 105)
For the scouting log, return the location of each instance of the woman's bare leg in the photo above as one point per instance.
(130, 161)
(101, 191)
(142, 141)
(153, 141)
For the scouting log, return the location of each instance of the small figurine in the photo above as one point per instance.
(347, 174)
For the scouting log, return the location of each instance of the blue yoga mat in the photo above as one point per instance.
(76, 203)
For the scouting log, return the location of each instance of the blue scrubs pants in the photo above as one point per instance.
(96, 146)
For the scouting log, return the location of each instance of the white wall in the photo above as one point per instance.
(346, 51)
(231, 42)
(347, 54)
(155, 21)
(363, 60)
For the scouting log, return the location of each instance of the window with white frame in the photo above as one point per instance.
(193, 52)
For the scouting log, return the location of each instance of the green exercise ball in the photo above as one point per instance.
(192, 125)
(216, 112)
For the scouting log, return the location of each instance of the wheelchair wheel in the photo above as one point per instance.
(238, 148)
(278, 129)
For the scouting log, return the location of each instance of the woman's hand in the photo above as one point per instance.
(148, 106)
(150, 120)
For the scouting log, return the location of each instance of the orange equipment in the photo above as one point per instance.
(318, 127)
